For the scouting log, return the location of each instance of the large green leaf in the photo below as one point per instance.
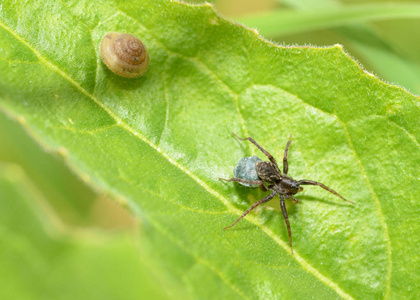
(159, 143)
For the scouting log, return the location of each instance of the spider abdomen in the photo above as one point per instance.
(268, 172)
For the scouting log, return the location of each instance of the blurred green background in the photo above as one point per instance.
(382, 35)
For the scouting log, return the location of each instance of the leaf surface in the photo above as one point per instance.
(159, 143)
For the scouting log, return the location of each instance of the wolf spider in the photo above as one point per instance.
(280, 184)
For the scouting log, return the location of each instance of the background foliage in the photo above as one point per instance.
(156, 146)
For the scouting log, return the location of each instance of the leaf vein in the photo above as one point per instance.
(408, 133)
(378, 207)
(182, 207)
(10, 61)
(199, 259)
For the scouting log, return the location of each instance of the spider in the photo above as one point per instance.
(269, 178)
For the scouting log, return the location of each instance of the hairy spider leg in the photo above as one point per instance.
(286, 218)
(285, 164)
(311, 182)
(295, 201)
(260, 183)
(263, 200)
(270, 157)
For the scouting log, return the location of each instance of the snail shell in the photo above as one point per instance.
(124, 54)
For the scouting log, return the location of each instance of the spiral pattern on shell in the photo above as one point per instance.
(124, 54)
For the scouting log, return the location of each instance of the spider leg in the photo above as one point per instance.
(270, 157)
(294, 200)
(311, 182)
(263, 200)
(285, 164)
(286, 218)
(260, 183)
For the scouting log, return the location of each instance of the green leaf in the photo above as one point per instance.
(159, 143)
(38, 261)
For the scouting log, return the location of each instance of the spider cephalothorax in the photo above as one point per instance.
(267, 175)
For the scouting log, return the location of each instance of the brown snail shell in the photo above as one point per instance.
(124, 54)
